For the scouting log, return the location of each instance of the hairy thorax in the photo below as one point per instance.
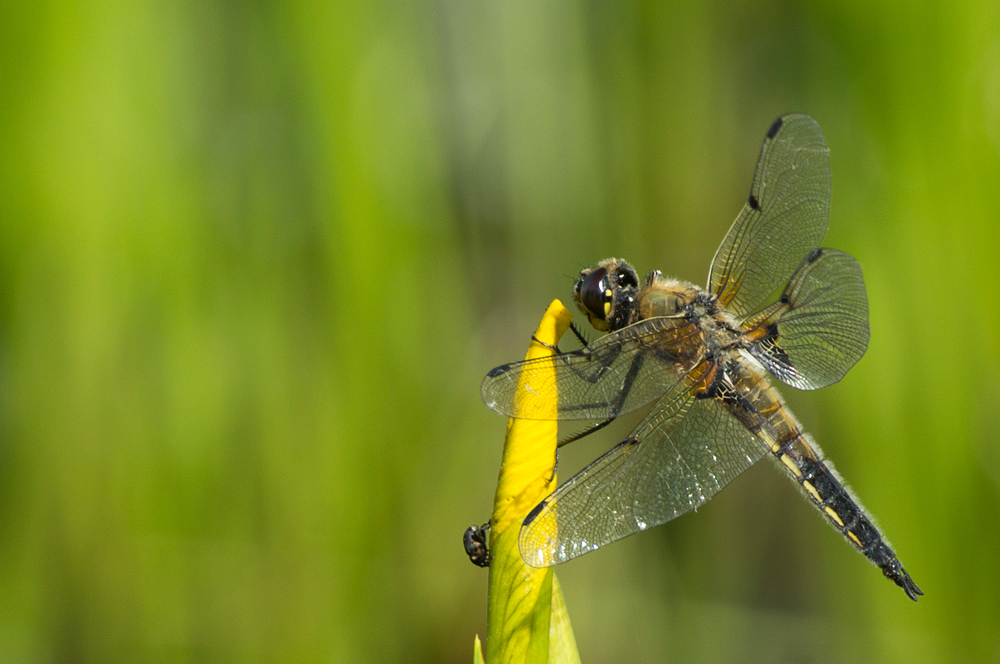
(661, 296)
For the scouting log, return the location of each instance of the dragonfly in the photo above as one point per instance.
(776, 306)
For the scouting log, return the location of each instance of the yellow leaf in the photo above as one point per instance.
(526, 615)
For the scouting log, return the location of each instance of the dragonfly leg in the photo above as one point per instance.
(616, 405)
(555, 466)
(542, 343)
(579, 335)
(586, 432)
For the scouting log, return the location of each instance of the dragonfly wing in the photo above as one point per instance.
(616, 374)
(685, 452)
(818, 329)
(785, 217)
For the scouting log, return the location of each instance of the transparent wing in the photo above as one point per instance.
(616, 374)
(785, 217)
(684, 453)
(818, 329)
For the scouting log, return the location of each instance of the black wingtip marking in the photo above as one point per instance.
(773, 131)
(753, 202)
(533, 514)
(814, 256)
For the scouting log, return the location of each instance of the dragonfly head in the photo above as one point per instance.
(607, 294)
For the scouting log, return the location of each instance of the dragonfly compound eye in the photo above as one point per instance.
(594, 294)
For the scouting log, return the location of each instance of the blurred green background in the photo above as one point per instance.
(255, 258)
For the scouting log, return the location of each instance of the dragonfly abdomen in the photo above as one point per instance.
(801, 457)
(763, 412)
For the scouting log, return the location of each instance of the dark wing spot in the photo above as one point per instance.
(498, 371)
(753, 202)
(814, 256)
(533, 514)
(773, 131)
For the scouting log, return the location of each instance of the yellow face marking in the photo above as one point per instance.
(812, 491)
(833, 515)
(855, 538)
(790, 462)
(607, 309)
